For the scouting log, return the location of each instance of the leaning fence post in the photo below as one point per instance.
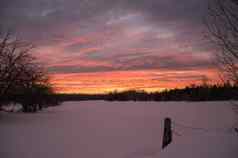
(167, 136)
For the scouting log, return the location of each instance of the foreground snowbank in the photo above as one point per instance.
(120, 130)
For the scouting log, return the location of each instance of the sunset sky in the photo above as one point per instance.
(97, 46)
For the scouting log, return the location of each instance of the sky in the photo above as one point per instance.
(97, 46)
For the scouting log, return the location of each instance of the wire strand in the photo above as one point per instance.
(207, 130)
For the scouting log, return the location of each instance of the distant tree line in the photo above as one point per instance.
(204, 92)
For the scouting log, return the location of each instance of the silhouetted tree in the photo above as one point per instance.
(36, 97)
(222, 24)
(21, 74)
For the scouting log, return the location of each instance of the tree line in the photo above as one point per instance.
(216, 92)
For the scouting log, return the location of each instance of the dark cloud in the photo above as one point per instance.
(162, 63)
(52, 12)
(113, 25)
(77, 69)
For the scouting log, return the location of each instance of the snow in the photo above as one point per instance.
(12, 107)
(103, 129)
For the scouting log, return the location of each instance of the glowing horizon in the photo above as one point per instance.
(149, 81)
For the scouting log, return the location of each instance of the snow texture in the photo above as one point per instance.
(100, 129)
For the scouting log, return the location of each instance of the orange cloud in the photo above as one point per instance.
(151, 80)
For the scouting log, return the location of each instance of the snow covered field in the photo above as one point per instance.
(99, 129)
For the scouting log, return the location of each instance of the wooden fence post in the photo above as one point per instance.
(236, 129)
(167, 136)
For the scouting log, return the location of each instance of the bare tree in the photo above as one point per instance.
(20, 73)
(17, 66)
(222, 24)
